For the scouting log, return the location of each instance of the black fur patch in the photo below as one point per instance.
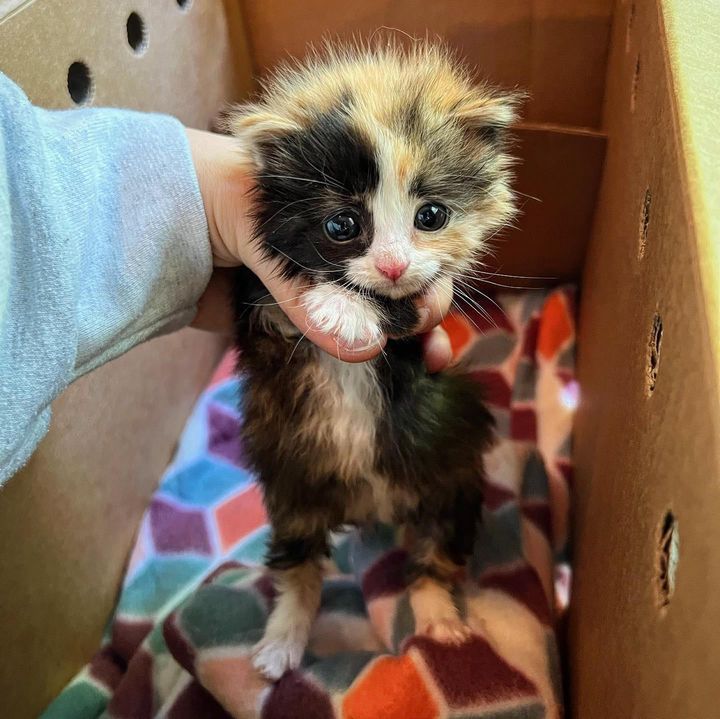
(308, 176)
(399, 317)
(434, 426)
(409, 121)
(285, 553)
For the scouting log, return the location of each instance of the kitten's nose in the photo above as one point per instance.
(392, 269)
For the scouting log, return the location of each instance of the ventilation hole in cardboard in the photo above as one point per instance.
(184, 4)
(653, 355)
(668, 557)
(644, 223)
(136, 33)
(79, 83)
(635, 84)
(629, 29)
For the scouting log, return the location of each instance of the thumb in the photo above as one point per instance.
(288, 294)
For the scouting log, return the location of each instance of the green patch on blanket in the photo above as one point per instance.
(81, 700)
(339, 671)
(220, 616)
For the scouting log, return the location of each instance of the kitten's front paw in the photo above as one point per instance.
(272, 658)
(351, 318)
(449, 630)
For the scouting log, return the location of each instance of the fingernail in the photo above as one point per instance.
(361, 345)
(358, 347)
(423, 317)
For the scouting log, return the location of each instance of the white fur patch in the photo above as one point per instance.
(435, 612)
(349, 402)
(273, 657)
(288, 628)
(351, 318)
(393, 210)
(350, 412)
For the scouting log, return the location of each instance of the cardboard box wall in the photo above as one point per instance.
(643, 639)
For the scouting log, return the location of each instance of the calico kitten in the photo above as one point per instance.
(379, 172)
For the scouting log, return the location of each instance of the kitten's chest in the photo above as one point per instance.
(352, 401)
(349, 402)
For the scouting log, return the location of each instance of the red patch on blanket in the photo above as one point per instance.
(473, 673)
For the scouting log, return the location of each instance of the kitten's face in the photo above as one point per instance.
(379, 171)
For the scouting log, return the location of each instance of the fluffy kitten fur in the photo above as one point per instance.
(378, 132)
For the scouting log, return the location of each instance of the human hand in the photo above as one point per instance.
(225, 189)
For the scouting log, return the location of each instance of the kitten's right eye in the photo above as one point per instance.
(343, 227)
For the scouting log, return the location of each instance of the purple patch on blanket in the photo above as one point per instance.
(224, 435)
(532, 329)
(495, 496)
(107, 668)
(566, 469)
(496, 389)
(387, 576)
(128, 634)
(293, 696)
(540, 515)
(177, 644)
(134, 697)
(523, 424)
(195, 701)
(265, 587)
(176, 529)
(221, 569)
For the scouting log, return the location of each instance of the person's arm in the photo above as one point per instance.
(103, 244)
(110, 224)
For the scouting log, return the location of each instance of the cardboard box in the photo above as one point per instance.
(619, 143)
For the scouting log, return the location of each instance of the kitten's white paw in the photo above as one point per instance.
(448, 630)
(272, 658)
(436, 615)
(343, 313)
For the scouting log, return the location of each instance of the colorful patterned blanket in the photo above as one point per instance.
(195, 599)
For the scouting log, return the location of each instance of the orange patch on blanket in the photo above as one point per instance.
(240, 515)
(391, 688)
(458, 330)
(556, 326)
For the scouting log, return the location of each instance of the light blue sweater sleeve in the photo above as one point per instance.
(103, 244)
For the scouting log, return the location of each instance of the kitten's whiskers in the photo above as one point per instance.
(308, 269)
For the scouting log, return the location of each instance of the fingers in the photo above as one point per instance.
(215, 315)
(436, 350)
(288, 294)
(434, 304)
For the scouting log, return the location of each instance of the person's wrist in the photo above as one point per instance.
(224, 187)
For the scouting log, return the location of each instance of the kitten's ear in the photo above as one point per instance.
(255, 126)
(489, 112)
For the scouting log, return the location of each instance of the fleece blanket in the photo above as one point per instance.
(195, 598)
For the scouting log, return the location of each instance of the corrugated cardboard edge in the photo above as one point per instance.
(647, 443)
(692, 35)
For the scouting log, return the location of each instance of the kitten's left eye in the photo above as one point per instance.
(431, 217)
(343, 227)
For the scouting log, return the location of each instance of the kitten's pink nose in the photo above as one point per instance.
(392, 269)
